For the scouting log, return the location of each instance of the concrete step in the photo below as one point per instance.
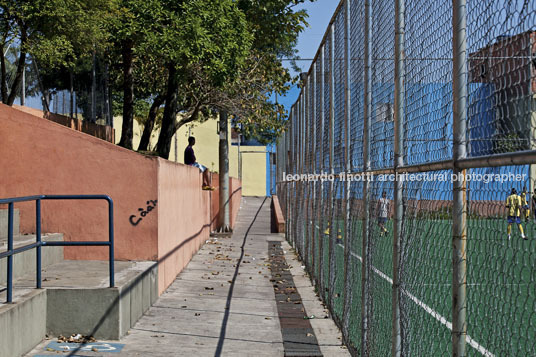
(4, 219)
(24, 263)
(23, 324)
(78, 300)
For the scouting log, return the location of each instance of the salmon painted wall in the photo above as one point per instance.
(41, 157)
(183, 218)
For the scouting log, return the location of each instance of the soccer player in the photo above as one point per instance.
(534, 203)
(383, 208)
(525, 203)
(513, 203)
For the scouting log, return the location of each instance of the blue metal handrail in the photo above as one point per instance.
(39, 243)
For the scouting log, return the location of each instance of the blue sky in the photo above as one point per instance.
(320, 12)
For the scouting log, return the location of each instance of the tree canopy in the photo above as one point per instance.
(167, 62)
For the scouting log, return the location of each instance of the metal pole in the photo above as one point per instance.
(93, 90)
(176, 146)
(23, 91)
(400, 73)
(71, 94)
(366, 166)
(347, 153)
(307, 157)
(38, 241)
(239, 158)
(313, 169)
(111, 240)
(10, 249)
(106, 101)
(224, 174)
(459, 151)
(332, 231)
(321, 168)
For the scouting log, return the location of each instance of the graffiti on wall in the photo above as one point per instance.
(143, 212)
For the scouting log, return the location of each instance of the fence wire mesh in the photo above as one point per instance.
(405, 266)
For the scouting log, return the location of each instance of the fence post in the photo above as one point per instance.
(321, 168)
(332, 232)
(459, 97)
(366, 167)
(313, 170)
(396, 339)
(347, 154)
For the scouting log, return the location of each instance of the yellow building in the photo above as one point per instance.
(253, 159)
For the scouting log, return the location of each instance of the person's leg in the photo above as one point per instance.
(205, 178)
(518, 221)
(509, 229)
(521, 230)
(380, 224)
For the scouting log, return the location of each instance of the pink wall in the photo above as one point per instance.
(41, 157)
(183, 218)
(103, 132)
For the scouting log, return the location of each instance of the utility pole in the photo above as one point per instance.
(224, 175)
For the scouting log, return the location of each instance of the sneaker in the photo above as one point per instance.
(208, 188)
(524, 237)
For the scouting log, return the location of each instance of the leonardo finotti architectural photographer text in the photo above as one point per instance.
(404, 177)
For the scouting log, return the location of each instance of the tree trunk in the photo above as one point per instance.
(170, 114)
(45, 98)
(149, 125)
(128, 95)
(224, 176)
(15, 88)
(3, 79)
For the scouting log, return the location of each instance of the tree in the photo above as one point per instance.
(275, 27)
(55, 32)
(134, 25)
(205, 36)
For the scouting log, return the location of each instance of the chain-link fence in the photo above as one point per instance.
(84, 93)
(424, 114)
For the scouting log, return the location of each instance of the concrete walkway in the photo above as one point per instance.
(223, 303)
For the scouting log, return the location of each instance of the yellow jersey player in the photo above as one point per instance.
(514, 204)
(525, 203)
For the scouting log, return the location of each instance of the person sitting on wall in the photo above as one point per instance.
(189, 159)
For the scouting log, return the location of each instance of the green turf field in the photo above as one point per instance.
(501, 286)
